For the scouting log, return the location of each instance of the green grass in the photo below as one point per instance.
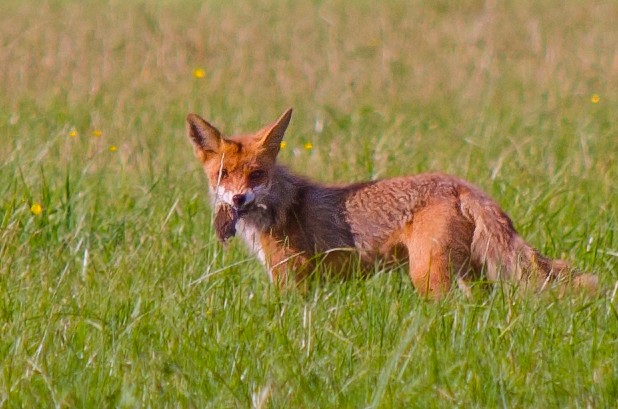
(118, 295)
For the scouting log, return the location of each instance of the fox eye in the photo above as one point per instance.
(257, 175)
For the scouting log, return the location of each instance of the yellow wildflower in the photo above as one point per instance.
(73, 133)
(283, 144)
(36, 209)
(308, 146)
(595, 98)
(96, 133)
(199, 73)
(113, 148)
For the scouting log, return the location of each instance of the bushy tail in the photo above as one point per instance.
(501, 253)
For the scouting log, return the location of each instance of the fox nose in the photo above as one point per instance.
(239, 200)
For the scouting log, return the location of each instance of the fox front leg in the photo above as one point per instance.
(225, 222)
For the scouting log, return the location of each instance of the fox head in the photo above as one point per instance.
(239, 168)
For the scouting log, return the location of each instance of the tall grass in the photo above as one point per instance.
(117, 294)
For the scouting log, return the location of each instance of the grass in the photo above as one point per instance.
(118, 295)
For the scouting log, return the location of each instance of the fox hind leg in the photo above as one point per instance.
(438, 242)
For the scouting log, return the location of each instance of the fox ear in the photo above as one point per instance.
(205, 137)
(271, 136)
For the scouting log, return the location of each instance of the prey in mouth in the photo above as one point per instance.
(228, 215)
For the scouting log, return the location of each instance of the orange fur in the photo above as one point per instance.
(444, 227)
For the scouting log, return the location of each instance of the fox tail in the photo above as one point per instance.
(499, 251)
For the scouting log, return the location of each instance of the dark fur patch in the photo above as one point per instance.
(225, 222)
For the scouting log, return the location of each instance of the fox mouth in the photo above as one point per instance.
(247, 208)
(244, 209)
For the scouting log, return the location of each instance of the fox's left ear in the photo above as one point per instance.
(270, 137)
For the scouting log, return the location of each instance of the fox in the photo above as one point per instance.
(446, 229)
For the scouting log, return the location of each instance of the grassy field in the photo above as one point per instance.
(114, 292)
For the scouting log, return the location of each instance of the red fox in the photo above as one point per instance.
(443, 227)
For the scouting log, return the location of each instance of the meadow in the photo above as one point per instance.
(114, 291)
